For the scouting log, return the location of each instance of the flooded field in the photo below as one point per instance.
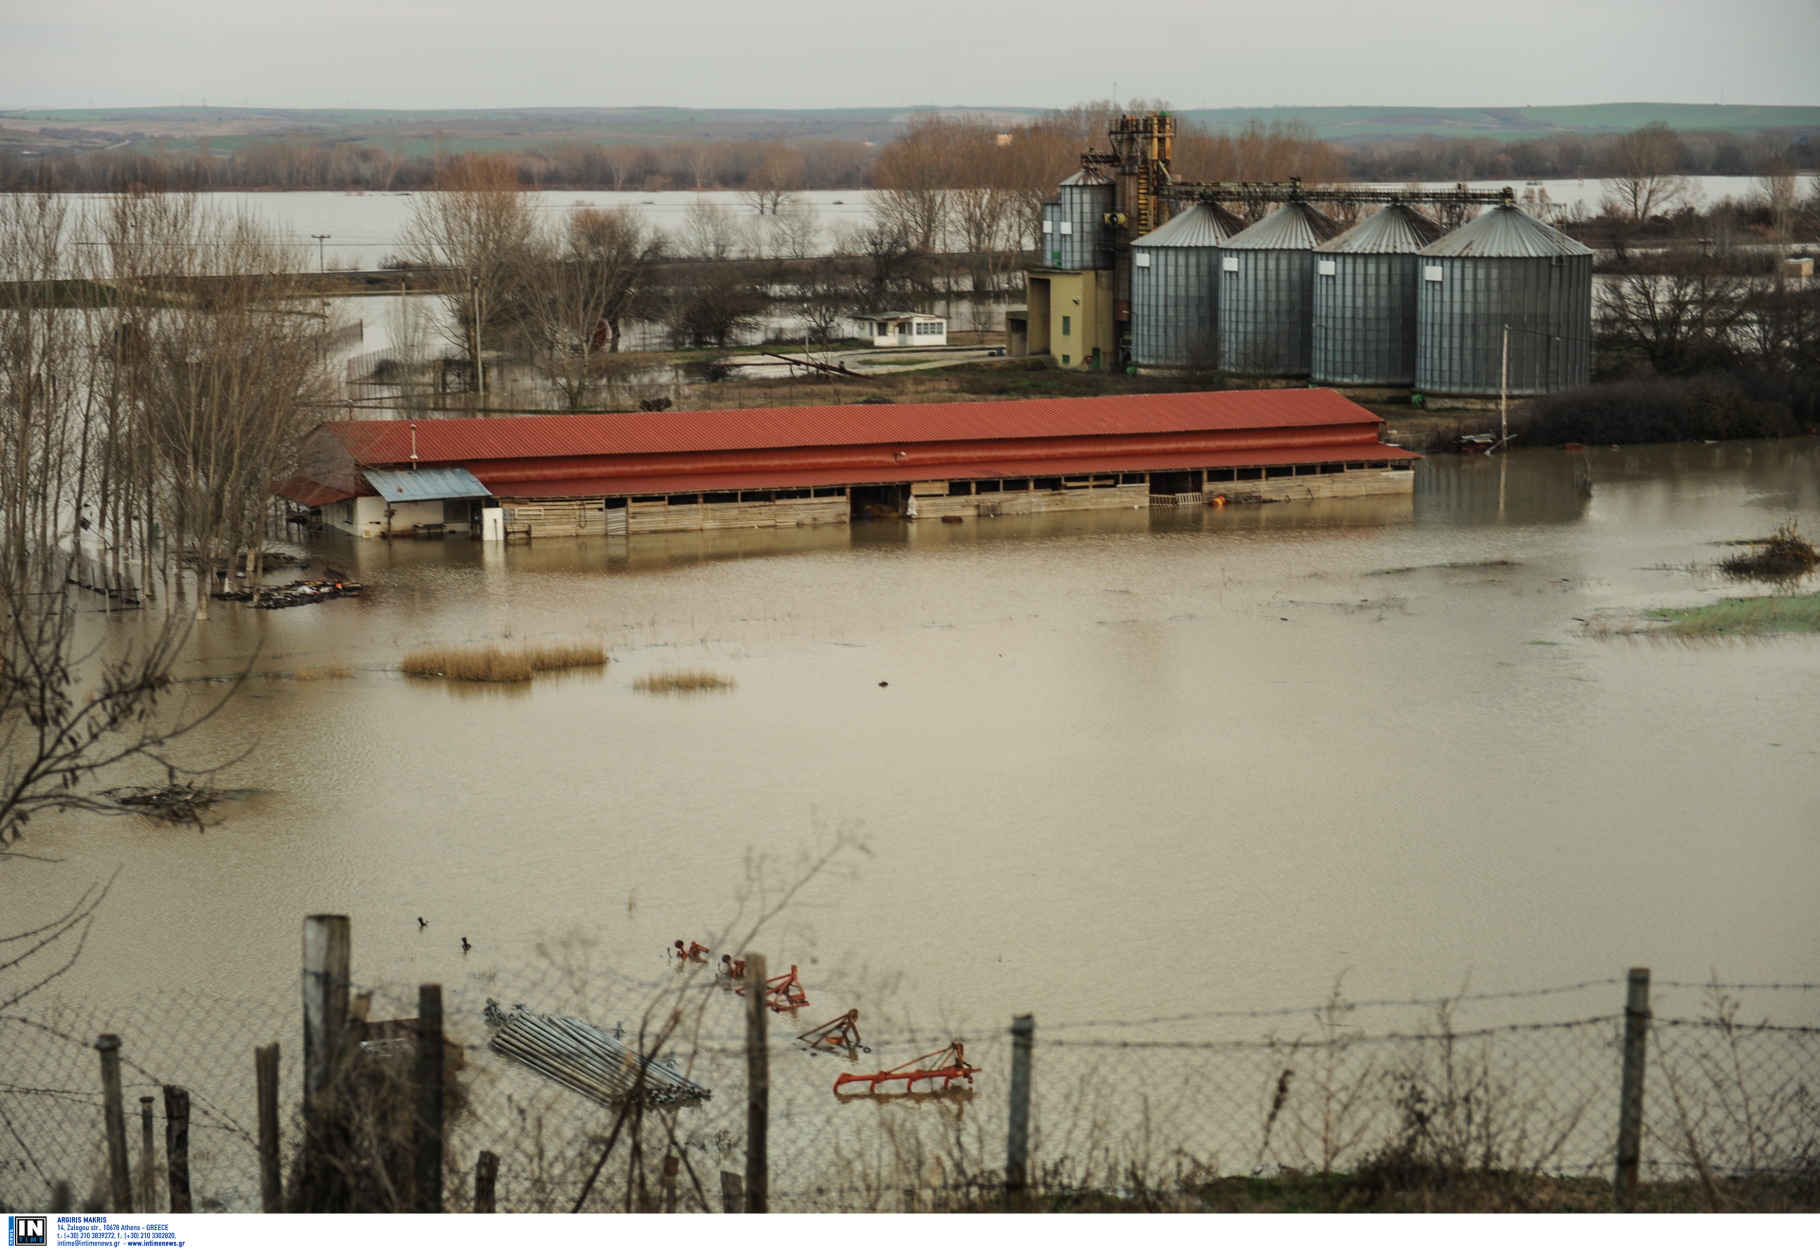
(1125, 765)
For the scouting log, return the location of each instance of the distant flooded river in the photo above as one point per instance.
(1126, 764)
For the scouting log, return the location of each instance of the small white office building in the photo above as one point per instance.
(904, 329)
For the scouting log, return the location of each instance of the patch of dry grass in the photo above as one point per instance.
(502, 664)
(683, 681)
(322, 672)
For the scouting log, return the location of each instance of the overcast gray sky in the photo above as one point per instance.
(846, 53)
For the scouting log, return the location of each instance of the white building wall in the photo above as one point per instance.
(366, 515)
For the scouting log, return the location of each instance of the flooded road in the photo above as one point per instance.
(1125, 765)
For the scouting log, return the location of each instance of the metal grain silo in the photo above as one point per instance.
(1267, 292)
(1175, 274)
(1365, 299)
(1080, 240)
(1503, 268)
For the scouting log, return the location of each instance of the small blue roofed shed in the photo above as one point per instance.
(422, 485)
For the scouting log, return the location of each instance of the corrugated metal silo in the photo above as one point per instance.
(1175, 274)
(1267, 292)
(1503, 268)
(1080, 238)
(1365, 299)
(1050, 248)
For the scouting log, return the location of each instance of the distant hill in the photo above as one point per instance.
(1508, 124)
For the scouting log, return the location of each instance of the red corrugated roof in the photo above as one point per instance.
(679, 483)
(474, 439)
(311, 494)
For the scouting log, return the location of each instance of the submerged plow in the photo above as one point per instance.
(782, 993)
(947, 1066)
(840, 1033)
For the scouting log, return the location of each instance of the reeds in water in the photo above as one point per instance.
(683, 681)
(502, 664)
(1783, 556)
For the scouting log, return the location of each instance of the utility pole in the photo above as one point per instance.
(322, 264)
(480, 370)
(1504, 391)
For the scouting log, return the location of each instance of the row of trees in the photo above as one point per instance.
(765, 168)
(160, 360)
(756, 166)
(157, 366)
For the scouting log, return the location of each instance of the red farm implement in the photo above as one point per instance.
(841, 1033)
(783, 993)
(946, 1066)
(692, 953)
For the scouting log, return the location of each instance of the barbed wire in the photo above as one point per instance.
(1341, 1004)
(1340, 1038)
(1539, 1097)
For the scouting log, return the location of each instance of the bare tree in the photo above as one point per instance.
(1780, 193)
(913, 181)
(478, 227)
(1684, 319)
(224, 373)
(794, 231)
(1649, 181)
(769, 182)
(711, 231)
(588, 278)
(83, 477)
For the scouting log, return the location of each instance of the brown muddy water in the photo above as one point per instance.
(1126, 765)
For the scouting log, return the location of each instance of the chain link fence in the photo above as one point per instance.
(1150, 1114)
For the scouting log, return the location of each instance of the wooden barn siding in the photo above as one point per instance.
(569, 518)
(1019, 502)
(557, 518)
(1347, 485)
(658, 517)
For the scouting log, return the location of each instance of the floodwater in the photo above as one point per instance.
(363, 227)
(1125, 765)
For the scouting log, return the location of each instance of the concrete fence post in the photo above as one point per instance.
(326, 959)
(1017, 1138)
(1630, 1091)
(120, 1180)
(148, 1156)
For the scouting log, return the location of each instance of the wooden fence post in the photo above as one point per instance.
(428, 1135)
(61, 1202)
(148, 1157)
(271, 1189)
(732, 1192)
(486, 1178)
(326, 945)
(177, 1146)
(120, 1181)
(1017, 1137)
(1630, 1092)
(666, 1183)
(758, 1090)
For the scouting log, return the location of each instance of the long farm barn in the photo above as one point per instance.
(649, 473)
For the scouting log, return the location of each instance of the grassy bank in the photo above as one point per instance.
(1744, 617)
